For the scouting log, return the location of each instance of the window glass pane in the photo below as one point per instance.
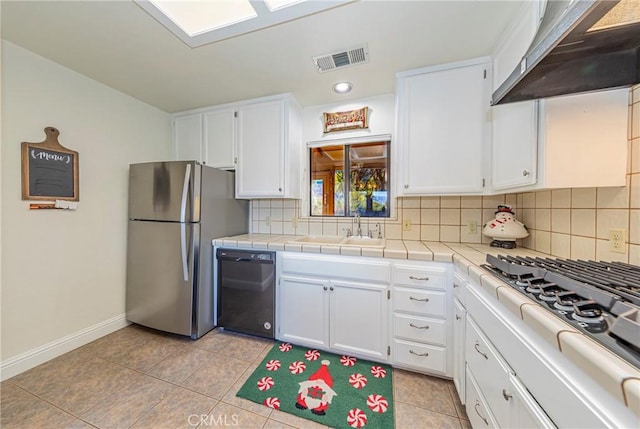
(350, 179)
(368, 179)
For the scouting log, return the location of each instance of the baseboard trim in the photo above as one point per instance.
(34, 357)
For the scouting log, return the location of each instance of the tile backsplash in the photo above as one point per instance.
(567, 223)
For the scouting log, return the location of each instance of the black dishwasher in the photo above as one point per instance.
(246, 291)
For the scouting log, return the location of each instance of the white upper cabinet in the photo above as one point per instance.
(259, 138)
(187, 137)
(220, 138)
(268, 149)
(206, 136)
(443, 124)
(515, 131)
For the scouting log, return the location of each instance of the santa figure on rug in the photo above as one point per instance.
(316, 392)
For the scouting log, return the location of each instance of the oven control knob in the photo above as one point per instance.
(267, 325)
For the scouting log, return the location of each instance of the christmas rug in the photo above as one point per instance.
(337, 391)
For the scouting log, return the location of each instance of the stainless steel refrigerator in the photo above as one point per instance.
(175, 209)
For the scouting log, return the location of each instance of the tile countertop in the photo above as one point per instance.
(613, 374)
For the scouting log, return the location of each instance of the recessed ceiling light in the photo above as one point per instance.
(342, 87)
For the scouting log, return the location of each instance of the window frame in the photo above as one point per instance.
(347, 142)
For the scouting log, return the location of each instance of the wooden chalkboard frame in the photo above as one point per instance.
(57, 153)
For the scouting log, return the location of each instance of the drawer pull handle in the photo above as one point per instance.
(456, 285)
(506, 395)
(426, 279)
(419, 327)
(425, 354)
(458, 317)
(330, 287)
(418, 299)
(475, 346)
(324, 288)
(486, 422)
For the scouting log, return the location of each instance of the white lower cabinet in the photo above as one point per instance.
(458, 364)
(421, 325)
(334, 303)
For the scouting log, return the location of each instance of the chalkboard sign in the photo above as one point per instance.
(49, 170)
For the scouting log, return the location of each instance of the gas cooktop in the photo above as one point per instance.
(600, 299)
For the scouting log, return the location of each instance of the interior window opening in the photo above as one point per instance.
(350, 179)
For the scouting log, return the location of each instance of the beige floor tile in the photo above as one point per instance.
(20, 409)
(232, 399)
(274, 424)
(295, 421)
(178, 366)
(409, 416)
(245, 347)
(224, 415)
(213, 341)
(216, 377)
(466, 424)
(456, 401)
(181, 408)
(423, 391)
(124, 407)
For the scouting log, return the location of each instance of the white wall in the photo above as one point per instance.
(381, 118)
(64, 271)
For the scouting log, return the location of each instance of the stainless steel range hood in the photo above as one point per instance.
(581, 45)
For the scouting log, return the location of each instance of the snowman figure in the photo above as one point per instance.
(316, 392)
(505, 228)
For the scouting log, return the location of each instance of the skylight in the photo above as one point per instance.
(199, 22)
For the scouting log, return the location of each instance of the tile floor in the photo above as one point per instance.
(140, 378)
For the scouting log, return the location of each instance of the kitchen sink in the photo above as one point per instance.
(361, 241)
(318, 239)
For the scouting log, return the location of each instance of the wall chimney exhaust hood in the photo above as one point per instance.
(580, 46)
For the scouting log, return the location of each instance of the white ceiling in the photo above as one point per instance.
(117, 43)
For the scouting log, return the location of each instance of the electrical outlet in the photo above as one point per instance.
(267, 220)
(294, 221)
(617, 241)
(472, 227)
(406, 224)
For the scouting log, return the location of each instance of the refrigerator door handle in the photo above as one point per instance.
(185, 193)
(183, 251)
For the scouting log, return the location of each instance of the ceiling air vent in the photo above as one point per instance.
(342, 58)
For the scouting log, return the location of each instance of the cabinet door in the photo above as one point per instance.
(303, 311)
(515, 132)
(260, 150)
(220, 138)
(525, 412)
(443, 125)
(458, 348)
(358, 319)
(187, 137)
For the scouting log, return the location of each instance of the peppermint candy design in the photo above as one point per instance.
(358, 380)
(378, 371)
(265, 383)
(273, 365)
(312, 355)
(377, 403)
(356, 418)
(272, 403)
(285, 347)
(347, 360)
(297, 367)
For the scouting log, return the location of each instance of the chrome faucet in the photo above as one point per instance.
(356, 219)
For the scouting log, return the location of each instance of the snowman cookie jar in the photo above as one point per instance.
(505, 228)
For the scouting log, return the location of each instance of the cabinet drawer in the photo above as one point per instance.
(419, 301)
(419, 329)
(489, 370)
(477, 409)
(434, 278)
(420, 356)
